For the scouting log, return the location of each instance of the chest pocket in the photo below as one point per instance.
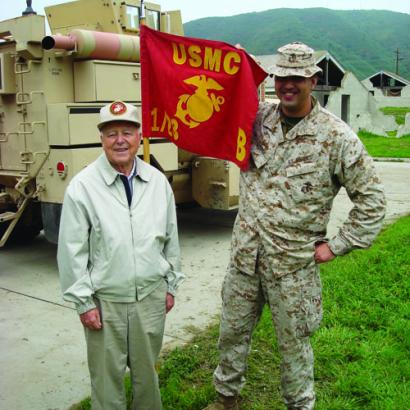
(307, 182)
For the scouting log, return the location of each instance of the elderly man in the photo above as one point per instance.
(301, 156)
(118, 257)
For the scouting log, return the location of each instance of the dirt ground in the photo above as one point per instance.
(42, 346)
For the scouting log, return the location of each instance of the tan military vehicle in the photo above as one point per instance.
(51, 91)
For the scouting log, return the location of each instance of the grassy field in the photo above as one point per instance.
(361, 351)
(398, 112)
(386, 146)
(391, 146)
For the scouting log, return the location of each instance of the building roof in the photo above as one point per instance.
(389, 74)
(325, 55)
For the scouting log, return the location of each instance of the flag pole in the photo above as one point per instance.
(145, 140)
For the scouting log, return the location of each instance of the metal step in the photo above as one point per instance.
(4, 195)
(7, 216)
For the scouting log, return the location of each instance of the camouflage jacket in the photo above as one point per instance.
(287, 193)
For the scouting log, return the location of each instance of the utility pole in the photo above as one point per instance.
(398, 58)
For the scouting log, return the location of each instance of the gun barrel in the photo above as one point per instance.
(96, 45)
(58, 41)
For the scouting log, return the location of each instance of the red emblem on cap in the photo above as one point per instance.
(118, 108)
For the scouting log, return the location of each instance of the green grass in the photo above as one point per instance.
(398, 112)
(361, 350)
(389, 146)
(386, 147)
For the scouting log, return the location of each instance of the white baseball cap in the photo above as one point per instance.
(118, 111)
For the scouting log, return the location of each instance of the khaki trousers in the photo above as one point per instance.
(131, 336)
(295, 303)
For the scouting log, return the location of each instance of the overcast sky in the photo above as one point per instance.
(195, 9)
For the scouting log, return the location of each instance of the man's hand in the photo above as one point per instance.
(239, 47)
(91, 319)
(169, 302)
(323, 253)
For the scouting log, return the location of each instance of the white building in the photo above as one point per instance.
(389, 89)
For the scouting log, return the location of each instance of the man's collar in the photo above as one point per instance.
(110, 174)
(273, 117)
(143, 170)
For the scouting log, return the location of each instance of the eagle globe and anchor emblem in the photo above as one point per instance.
(193, 109)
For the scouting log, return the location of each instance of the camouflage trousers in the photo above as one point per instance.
(295, 302)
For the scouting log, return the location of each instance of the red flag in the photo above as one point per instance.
(200, 94)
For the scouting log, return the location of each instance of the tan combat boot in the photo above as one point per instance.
(224, 403)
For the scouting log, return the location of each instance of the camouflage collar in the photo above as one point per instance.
(304, 126)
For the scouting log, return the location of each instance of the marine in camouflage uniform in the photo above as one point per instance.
(298, 165)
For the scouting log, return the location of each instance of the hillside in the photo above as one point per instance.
(364, 41)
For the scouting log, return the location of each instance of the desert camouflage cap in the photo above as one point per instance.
(118, 111)
(295, 59)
